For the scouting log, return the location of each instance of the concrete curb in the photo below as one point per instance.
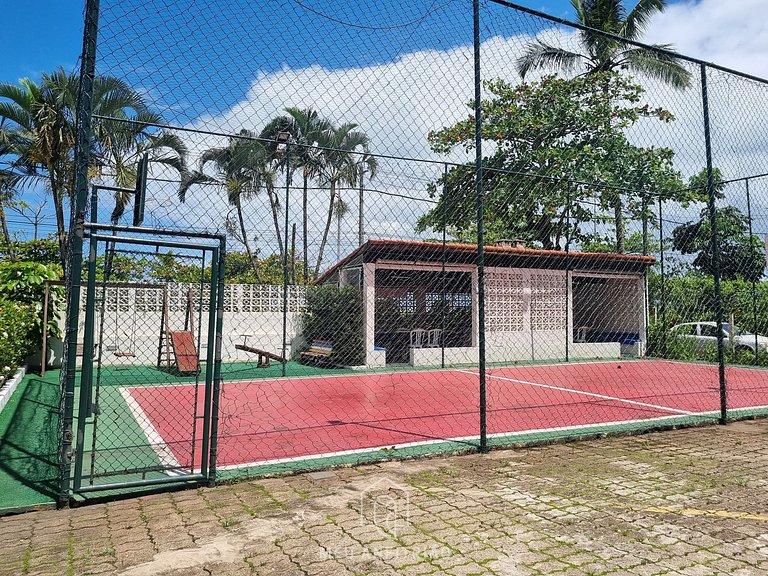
(10, 386)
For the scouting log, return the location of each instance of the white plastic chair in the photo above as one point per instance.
(433, 337)
(418, 337)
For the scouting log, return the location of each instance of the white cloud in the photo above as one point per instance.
(398, 102)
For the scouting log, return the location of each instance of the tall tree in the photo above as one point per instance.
(367, 164)
(309, 135)
(339, 169)
(38, 121)
(8, 181)
(601, 53)
(340, 210)
(741, 255)
(548, 139)
(242, 168)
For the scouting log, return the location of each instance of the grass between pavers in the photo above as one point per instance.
(28, 444)
(452, 447)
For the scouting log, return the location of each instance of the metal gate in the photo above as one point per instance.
(151, 359)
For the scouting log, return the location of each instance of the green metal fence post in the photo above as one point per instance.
(210, 361)
(663, 282)
(480, 228)
(285, 255)
(217, 357)
(67, 381)
(443, 306)
(712, 208)
(754, 284)
(567, 276)
(86, 373)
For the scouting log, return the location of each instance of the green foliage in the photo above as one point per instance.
(547, 137)
(692, 299)
(336, 314)
(239, 270)
(633, 244)
(676, 347)
(741, 256)
(124, 268)
(43, 251)
(17, 335)
(173, 267)
(24, 283)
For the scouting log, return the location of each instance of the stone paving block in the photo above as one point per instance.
(615, 506)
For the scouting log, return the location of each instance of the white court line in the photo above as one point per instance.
(154, 438)
(586, 428)
(584, 393)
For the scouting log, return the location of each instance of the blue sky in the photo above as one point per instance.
(229, 64)
(40, 36)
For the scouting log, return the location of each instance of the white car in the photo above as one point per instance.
(705, 335)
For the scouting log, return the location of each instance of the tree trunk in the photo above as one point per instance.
(247, 245)
(61, 228)
(276, 221)
(293, 253)
(304, 215)
(618, 218)
(338, 232)
(360, 212)
(645, 224)
(6, 233)
(327, 228)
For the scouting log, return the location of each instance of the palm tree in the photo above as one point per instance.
(37, 120)
(242, 168)
(309, 133)
(340, 210)
(339, 169)
(604, 54)
(8, 181)
(39, 131)
(366, 164)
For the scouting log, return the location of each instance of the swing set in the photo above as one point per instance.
(178, 343)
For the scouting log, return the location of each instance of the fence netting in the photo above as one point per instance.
(619, 198)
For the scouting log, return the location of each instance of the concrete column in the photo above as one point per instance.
(369, 312)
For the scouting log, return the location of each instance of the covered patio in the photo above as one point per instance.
(420, 303)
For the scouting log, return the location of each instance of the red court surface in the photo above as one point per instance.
(297, 418)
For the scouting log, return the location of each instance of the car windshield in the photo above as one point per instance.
(736, 330)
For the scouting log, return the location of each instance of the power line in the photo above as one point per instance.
(418, 20)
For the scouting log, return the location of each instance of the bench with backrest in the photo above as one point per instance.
(319, 353)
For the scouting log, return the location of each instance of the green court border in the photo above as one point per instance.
(31, 417)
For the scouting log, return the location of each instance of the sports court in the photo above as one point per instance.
(281, 420)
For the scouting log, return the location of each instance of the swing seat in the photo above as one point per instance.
(125, 354)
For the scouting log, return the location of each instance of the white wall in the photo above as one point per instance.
(132, 322)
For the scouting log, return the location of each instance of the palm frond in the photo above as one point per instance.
(22, 98)
(539, 55)
(16, 114)
(658, 65)
(640, 16)
(189, 179)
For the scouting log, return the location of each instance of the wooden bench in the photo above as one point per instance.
(263, 356)
(319, 353)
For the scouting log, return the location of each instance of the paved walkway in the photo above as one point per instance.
(683, 502)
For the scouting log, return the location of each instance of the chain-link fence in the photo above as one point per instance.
(448, 226)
